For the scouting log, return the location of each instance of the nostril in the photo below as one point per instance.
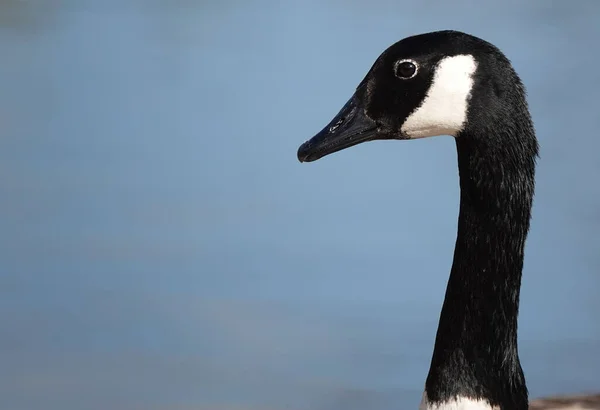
(337, 124)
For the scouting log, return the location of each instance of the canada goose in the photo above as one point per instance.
(451, 83)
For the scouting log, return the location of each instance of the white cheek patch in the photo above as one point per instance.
(444, 108)
(459, 403)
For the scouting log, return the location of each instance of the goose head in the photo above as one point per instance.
(439, 83)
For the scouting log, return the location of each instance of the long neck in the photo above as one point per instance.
(476, 356)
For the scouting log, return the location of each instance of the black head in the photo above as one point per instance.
(422, 86)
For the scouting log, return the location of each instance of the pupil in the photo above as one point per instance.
(407, 69)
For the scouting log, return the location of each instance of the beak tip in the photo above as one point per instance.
(304, 152)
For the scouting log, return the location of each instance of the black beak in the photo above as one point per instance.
(350, 126)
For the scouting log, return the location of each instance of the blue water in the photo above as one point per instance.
(162, 248)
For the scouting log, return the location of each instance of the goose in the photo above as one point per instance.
(452, 83)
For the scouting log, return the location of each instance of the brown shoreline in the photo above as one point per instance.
(568, 402)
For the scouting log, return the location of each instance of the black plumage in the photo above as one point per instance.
(476, 353)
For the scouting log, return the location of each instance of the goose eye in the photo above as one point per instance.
(406, 69)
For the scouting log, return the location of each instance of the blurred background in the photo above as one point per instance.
(162, 248)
